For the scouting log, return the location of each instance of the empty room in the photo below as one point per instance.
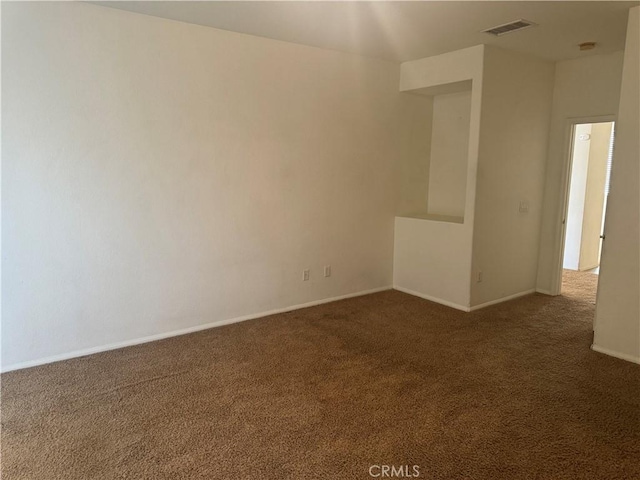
(314, 240)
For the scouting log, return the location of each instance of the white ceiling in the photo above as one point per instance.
(400, 31)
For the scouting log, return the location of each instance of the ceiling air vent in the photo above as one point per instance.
(509, 27)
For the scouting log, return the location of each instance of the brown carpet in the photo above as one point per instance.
(509, 392)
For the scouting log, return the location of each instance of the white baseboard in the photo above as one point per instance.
(589, 268)
(545, 292)
(432, 299)
(462, 307)
(612, 353)
(183, 331)
(503, 299)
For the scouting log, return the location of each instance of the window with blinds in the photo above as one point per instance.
(609, 161)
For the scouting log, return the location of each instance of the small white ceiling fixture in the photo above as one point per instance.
(510, 27)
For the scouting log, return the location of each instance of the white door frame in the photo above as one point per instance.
(570, 123)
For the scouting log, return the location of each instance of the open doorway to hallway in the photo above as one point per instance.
(590, 173)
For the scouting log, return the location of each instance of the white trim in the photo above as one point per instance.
(589, 268)
(545, 292)
(183, 331)
(461, 307)
(446, 303)
(503, 299)
(612, 353)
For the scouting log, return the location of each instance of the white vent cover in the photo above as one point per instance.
(509, 27)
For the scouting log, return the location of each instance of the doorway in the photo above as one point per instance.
(589, 180)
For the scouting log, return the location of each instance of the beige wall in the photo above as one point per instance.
(510, 111)
(583, 88)
(415, 155)
(617, 325)
(160, 176)
(449, 154)
(516, 103)
(432, 258)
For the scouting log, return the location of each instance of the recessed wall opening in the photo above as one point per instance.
(590, 173)
(446, 186)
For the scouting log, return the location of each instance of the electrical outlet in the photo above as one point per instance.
(305, 275)
(479, 277)
(524, 207)
(327, 270)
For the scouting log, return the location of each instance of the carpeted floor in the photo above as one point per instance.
(509, 392)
